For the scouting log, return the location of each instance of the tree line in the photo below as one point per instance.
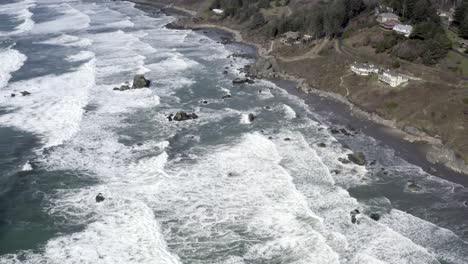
(319, 20)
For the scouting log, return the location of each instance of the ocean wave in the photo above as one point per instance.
(21, 10)
(15, 61)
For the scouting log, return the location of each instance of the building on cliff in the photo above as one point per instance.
(403, 29)
(364, 69)
(392, 78)
(385, 17)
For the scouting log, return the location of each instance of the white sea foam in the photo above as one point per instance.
(244, 119)
(289, 112)
(12, 61)
(27, 167)
(81, 56)
(21, 10)
(68, 40)
(71, 19)
(55, 107)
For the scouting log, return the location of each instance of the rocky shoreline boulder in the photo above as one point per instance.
(357, 158)
(139, 81)
(182, 116)
(266, 67)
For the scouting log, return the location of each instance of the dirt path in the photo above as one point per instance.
(311, 54)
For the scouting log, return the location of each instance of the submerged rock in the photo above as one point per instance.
(239, 80)
(321, 145)
(25, 93)
(227, 96)
(357, 158)
(100, 198)
(139, 81)
(413, 186)
(123, 87)
(344, 161)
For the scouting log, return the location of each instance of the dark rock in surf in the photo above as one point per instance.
(239, 81)
(287, 139)
(375, 216)
(321, 145)
(182, 116)
(139, 81)
(251, 117)
(169, 117)
(227, 96)
(345, 132)
(12, 95)
(25, 93)
(413, 186)
(344, 161)
(122, 88)
(354, 214)
(100, 198)
(357, 158)
(334, 131)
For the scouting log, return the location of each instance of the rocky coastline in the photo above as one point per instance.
(267, 67)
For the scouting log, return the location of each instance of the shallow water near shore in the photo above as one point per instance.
(218, 189)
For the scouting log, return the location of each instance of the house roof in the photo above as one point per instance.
(463, 41)
(292, 35)
(391, 74)
(388, 15)
(364, 66)
(402, 27)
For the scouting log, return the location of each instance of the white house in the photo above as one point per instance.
(384, 17)
(218, 11)
(364, 69)
(392, 78)
(403, 29)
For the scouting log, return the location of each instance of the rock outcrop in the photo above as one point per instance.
(139, 81)
(182, 116)
(240, 80)
(265, 67)
(251, 118)
(100, 198)
(357, 158)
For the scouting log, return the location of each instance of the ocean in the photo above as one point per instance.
(218, 189)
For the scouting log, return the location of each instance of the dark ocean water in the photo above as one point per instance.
(219, 189)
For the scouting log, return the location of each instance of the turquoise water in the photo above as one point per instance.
(219, 189)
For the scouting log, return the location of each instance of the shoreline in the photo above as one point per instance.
(434, 151)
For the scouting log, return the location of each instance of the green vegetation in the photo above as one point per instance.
(392, 106)
(428, 41)
(461, 18)
(317, 18)
(465, 100)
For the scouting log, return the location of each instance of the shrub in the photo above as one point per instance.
(465, 100)
(391, 106)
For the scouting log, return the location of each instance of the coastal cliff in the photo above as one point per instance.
(430, 108)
